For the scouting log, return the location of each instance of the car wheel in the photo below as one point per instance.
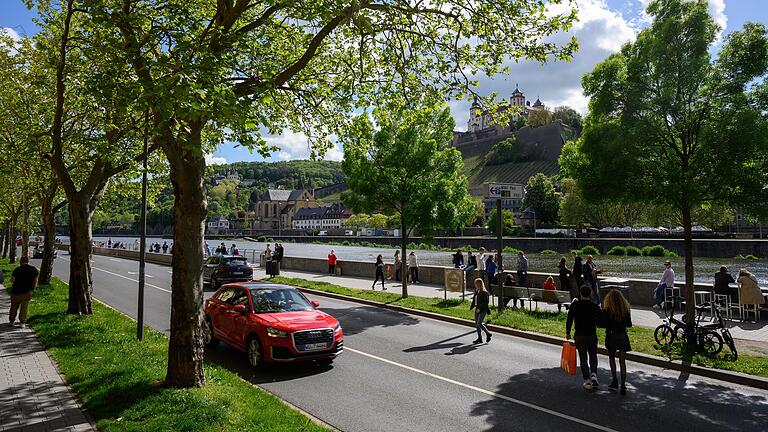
(208, 338)
(255, 353)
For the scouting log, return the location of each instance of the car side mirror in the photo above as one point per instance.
(240, 309)
(315, 303)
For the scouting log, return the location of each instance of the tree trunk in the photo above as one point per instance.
(80, 240)
(4, 240)
(185, 345)
(25, 227)
(49, 232)
(8, 240)
(12, 238)
(690, 306)
(404, 265)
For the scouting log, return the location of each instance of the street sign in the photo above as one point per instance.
(454, 280)
(505, 190)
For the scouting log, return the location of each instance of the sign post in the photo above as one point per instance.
(500, 247)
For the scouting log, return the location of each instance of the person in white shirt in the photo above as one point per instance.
(413, 266)
(481, 260)
(667, 281)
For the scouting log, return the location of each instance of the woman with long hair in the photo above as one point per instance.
(379, 272)
(480, 304)
(617, 318)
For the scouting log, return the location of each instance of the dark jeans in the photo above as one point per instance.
(658, 293)
(414, 274)
(587, 347)
(480, 324)
(331, 269)
(379, 274)
(398, 269)
(521, 277)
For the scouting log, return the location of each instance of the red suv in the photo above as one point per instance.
(271, 323)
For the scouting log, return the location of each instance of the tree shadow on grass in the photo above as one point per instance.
(653, 402)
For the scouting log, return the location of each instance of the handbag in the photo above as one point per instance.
(568, 358)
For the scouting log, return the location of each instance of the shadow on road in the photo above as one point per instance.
(355, 320)
(440, 345)
(695, 406)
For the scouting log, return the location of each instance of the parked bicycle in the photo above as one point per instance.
(718, 324)
(707, 339)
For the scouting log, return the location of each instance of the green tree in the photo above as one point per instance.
(378, 221)
(428, 191)
(668, 124)
(540, 195)
(569, 117)
(357, 221)
(509, 224)
(210, 72)
(539, 117)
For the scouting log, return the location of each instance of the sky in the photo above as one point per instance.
(604, 25)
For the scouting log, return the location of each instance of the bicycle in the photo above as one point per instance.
(709, 341)
(719, 324)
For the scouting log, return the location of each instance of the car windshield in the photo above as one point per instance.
(269, 300)
(235, 262)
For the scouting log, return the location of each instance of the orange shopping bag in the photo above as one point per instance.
(568, 358)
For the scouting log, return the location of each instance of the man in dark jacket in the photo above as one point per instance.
(723, 279)
(586, 315)
(24, 280)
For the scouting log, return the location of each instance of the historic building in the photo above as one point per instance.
(275, 208)
(518, 106)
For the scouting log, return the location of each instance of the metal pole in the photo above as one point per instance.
(142, 245)
(499, 246)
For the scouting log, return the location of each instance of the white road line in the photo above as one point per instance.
(485, 392)
(126, 277)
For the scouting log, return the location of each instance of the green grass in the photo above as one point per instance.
(550, 323)
(118, 379)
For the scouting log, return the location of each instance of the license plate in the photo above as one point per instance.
(237, 273)
(315, 346)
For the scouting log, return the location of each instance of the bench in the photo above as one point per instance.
(507, 293)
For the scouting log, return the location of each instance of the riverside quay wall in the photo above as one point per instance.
(711, 248)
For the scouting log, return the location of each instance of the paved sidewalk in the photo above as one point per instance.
(33, 396)
(641, 316)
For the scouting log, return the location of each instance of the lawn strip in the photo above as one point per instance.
(549, 323)
(118, 379)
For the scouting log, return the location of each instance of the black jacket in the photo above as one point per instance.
(613, 326)
(722, 279)
(480, 300)
(587, 316)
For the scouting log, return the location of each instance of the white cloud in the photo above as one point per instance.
(295, 145)
(600, 32)
(7, 31)
(214, 160)
(716, 10)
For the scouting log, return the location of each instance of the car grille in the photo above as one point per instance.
(308, 340)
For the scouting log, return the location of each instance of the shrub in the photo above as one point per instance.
(751, 257)
(632, 251)
(548, 252)
(509, 249)
(655, 251)
(617, 251)
(745, 257)
(589, 250)
(261, 239)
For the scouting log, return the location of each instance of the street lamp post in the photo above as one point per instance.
(142, 245)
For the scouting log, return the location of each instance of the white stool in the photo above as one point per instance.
(750, 308)
(725, 299)
(670, 295)
(701, 297)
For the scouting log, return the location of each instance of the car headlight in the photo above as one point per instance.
(276, 333)
(337, 328)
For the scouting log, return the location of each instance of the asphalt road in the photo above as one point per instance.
(401, 372)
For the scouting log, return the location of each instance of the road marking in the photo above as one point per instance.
(126, 277)
(485, 392)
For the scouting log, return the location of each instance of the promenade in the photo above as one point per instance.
(33, 396)
(752, 336)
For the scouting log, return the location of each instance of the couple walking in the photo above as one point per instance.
(587, 316)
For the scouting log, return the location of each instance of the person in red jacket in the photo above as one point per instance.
(331, 263)
(549, 284)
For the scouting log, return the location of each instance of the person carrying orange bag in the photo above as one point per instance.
(568, 358)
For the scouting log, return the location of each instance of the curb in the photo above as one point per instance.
(647, 359)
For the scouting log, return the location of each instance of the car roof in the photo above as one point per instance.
(265, 285)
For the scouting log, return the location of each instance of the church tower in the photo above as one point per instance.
(517, 98)
(475, 116)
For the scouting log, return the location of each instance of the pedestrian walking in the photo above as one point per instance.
(585, 315)
(24, 281)
(413, 267)
(591, 271)
(458, 259)
(565, 274)
(616, 319)
(207, 249)
(667, 281)
(577, 270)
(480, 304)
(398, 265)
(522, 268)
(490, 269)
(379, 273)
(332, 263)
(165, 247)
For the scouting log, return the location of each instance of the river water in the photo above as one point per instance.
(626, 267)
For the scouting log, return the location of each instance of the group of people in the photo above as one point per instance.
(275, 255)
(165, 247)
(412, 266)
(747, 292)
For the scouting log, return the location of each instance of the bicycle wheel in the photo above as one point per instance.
(664, 335)
(710, 342)
(728, 339)
(678, 333)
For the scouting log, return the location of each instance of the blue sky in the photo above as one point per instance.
(604, 25)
